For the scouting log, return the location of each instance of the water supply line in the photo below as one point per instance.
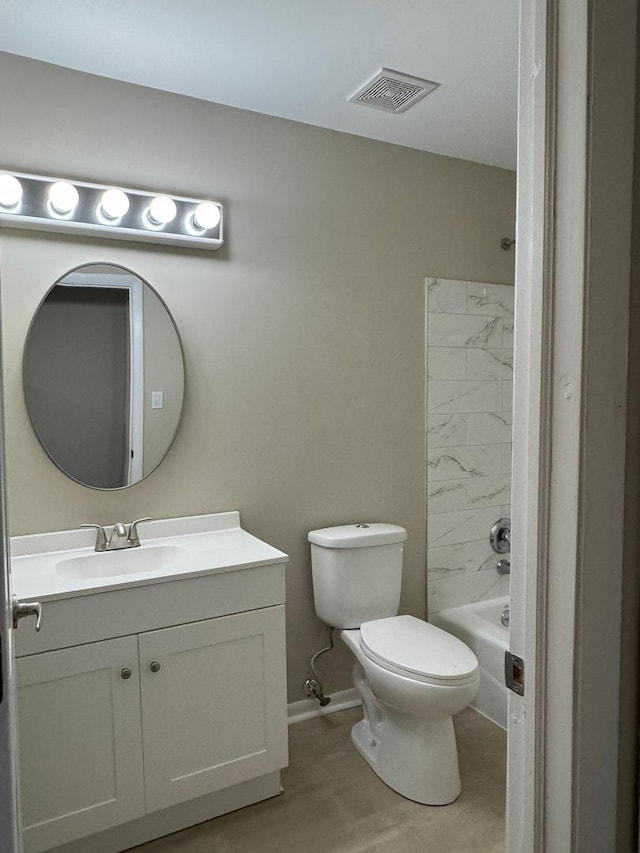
(313, 686)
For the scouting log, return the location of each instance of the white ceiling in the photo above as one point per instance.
(300, 59)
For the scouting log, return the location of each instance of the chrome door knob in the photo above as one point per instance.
(154, 666)
(125, 673)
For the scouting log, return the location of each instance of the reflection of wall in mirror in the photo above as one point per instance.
(80, 404)
(162, 372)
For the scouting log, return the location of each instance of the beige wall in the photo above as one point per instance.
(303, 336)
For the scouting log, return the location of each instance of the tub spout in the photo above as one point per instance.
(504, 567)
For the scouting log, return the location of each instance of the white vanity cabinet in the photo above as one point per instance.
(149, 707)
(81, 749)
(212, 712)
(199, 706)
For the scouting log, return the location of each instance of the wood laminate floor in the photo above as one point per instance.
(334, 803)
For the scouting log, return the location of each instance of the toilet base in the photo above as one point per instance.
(417, 758)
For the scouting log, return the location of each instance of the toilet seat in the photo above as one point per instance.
(418, 650)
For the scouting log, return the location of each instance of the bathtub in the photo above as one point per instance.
(479, 626)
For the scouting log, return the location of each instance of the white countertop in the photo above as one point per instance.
(200, 545)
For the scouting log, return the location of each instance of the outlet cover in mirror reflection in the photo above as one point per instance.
(100, 345)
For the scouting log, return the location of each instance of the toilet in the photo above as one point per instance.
(411, 676)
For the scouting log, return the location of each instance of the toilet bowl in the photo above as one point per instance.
(407, 734)
(411, 676)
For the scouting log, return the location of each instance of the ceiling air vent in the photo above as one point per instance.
(392, 91)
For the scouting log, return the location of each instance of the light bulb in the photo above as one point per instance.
(63, 197)
(114, 204)
(162, 210)
(10, 191)
(206, 216)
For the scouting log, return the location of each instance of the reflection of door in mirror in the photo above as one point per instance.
(90, 409)
(104, 376)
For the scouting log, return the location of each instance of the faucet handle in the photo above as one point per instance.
(101, 536)
(500, 536)
(132, 538)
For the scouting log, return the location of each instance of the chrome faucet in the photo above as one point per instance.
(121, 535)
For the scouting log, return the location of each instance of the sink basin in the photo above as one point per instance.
(128, 561)
(62, 564)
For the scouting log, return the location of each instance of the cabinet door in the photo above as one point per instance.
(80, 738)
(214, 713)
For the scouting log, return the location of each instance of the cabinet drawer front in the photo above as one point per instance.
(81, 744)
(214, 710)
(150, 607)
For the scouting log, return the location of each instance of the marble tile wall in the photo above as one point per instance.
(469, 401)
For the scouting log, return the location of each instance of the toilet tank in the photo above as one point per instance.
(357, 572)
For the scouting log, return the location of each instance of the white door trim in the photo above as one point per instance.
(135, 287)
(575, 169)
(136, 402)
(10, 824)
(530, 452)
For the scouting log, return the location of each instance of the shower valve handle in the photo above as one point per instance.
(500, 536)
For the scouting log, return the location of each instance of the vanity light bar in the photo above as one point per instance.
(52, 204)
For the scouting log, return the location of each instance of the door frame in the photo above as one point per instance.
(568, 790)
(10, 823)
(135, 288)
(574, 240)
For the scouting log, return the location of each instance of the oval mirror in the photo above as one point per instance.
(103, 376)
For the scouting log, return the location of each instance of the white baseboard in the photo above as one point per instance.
(305, 709)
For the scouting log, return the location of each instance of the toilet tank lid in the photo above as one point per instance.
(360, 535)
